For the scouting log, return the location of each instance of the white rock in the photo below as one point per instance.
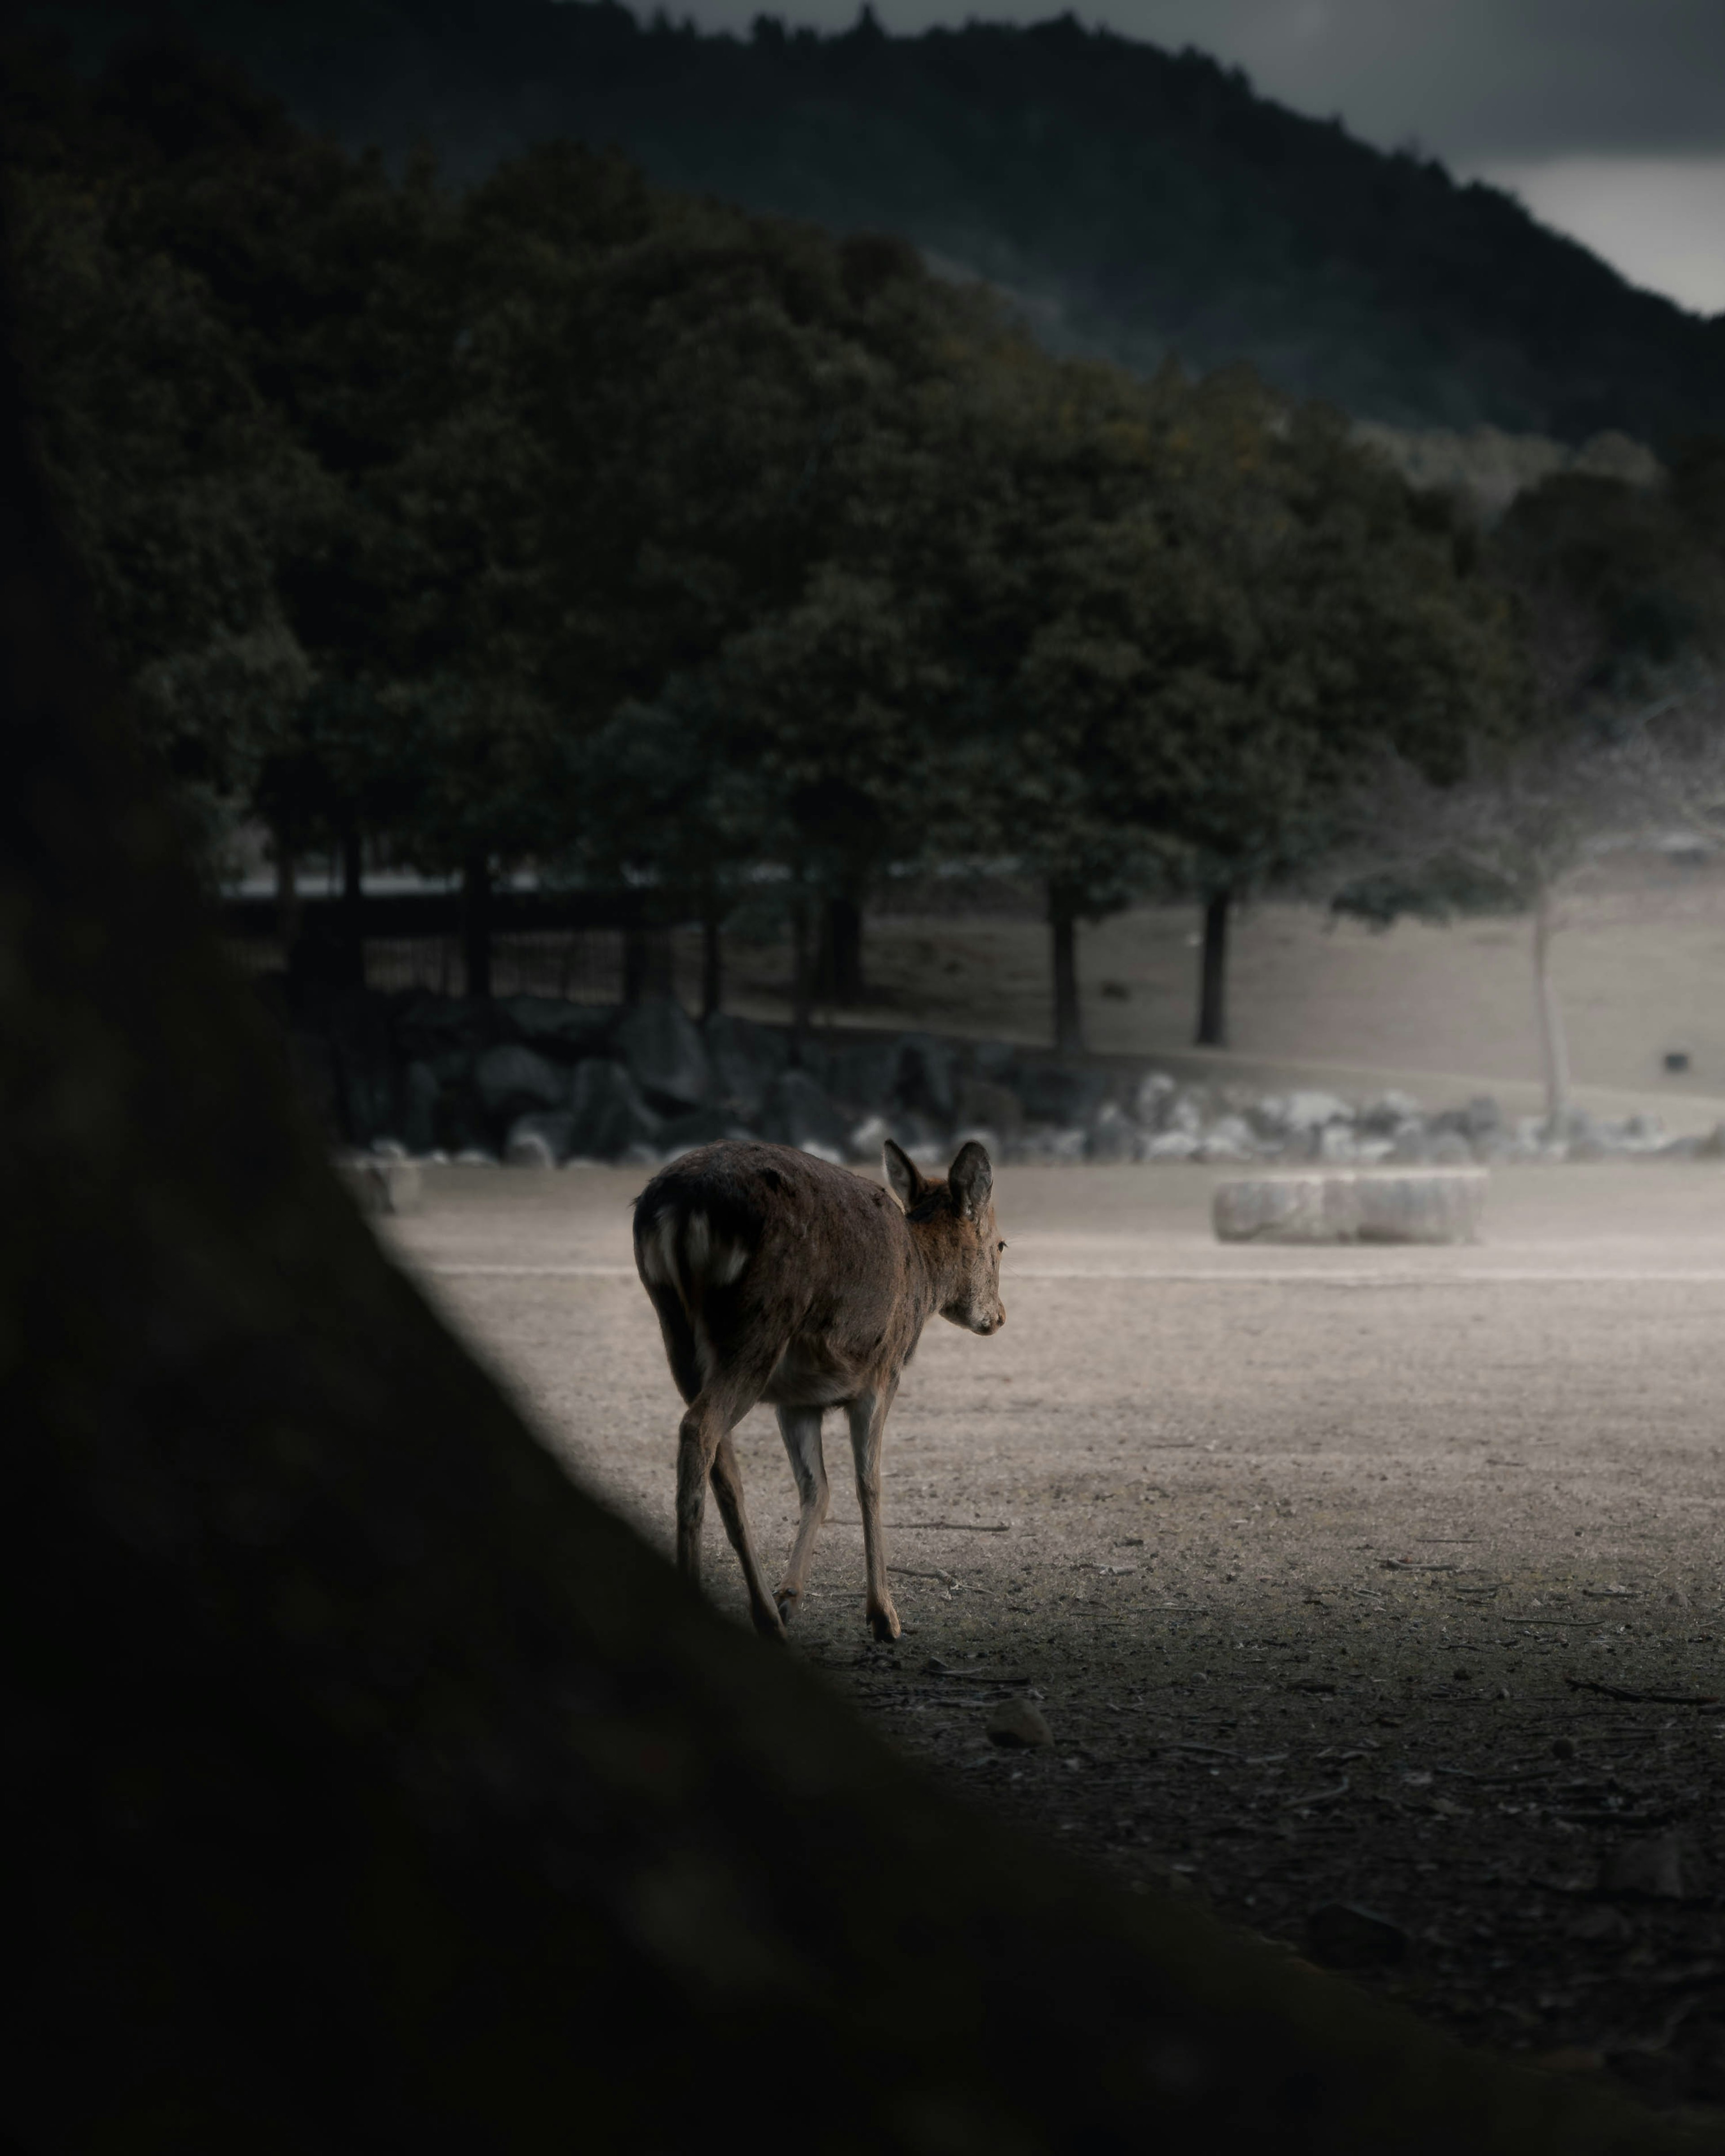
(1374, 1206)
(1150, 1102)
(529, 1149)
(1171, 1145)
(1312, 1112)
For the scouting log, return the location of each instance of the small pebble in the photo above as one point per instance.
(1018, 1726)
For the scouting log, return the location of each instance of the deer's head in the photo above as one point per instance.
(953, 1223)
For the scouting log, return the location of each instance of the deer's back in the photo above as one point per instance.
(745, 1246)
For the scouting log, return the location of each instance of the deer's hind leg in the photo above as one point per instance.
(800, 1429)
(705, 1451)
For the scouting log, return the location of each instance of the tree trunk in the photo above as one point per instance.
(351, 937)
(476, 922)
(648, 963)
(1068, 1019)
(1213, 972)
(712, 967)
(802, 967)
(287, 900)
(1553, 1043)
(841, 957)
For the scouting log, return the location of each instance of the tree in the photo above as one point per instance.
(379, 1788)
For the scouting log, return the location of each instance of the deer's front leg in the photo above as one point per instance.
(868, 1423)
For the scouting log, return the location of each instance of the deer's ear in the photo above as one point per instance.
(908, 1186)
(971, 1179)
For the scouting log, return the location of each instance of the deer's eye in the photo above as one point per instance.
(1001, 1246)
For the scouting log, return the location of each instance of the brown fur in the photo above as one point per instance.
(778, 1278)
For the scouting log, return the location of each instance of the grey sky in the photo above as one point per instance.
(1608, 116)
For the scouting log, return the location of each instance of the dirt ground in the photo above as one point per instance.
(1382, 1578)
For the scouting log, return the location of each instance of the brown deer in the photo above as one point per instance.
(779, 1277)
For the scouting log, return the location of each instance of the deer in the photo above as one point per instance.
(784, 1278)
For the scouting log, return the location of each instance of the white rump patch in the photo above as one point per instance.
(659, 1252)
(710, 1259)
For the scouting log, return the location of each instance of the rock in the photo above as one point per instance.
(926, 1145)
(420, 1089)
(549, 1022)
(864, 1075)
(606, 1114)
(1188, 1110)
(512, 1081)
(1063, 1093)
(662, 1047)
(925, 1080)
(1172, 1144)
(797, 1112)
(1152, 1099)
(996, 1061)
(1365, 1206)
(355, 1024)
(701, 1127)
(1389, 1114)
(744, 1057)
(984, 1104)
(1307, 1112)
(1113, 1135)
(1662, 1867)
(1229, 1138)
(525, 1147)
(866, 1139)
(381, 1184)
(427, 1025)
(1018, 1726)
(1335, 1142)
(543, 1139)
(1341, 1935)
(1448, 1149)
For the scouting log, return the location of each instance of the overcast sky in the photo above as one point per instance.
(1607, 116)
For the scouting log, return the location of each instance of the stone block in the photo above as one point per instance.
(1366, 1206)
(665, 1054)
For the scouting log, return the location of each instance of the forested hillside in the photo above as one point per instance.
(1138, 203)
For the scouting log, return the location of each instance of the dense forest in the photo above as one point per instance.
(1139, 203)
(568, 520)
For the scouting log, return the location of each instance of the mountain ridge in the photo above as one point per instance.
(1141, 205)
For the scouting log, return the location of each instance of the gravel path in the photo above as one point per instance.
(1378, 1577)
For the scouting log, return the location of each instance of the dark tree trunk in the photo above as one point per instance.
(476, 922)
(841, 953)
(1068, 1018)
(1213, 972)
(287, 900)
(802, 967)
(712, 967)
(648, 963)
(373, 1787)
(350, 936)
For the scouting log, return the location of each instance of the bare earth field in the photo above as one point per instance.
(1381, 1576)
(1441, 1011)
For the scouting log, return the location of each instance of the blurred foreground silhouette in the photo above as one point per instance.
(371, 1784)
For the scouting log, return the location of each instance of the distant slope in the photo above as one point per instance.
(1139, 203)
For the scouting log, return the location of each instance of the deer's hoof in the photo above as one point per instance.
(884, 1623)
(787, 1598)
(769, 1623)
